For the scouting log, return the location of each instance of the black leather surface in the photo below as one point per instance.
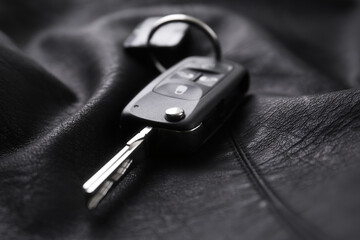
(286, 165)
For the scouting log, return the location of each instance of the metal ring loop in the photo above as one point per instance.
(187, 19)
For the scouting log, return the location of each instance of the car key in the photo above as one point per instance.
(182, 108)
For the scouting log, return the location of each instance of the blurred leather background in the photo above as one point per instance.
(285, 166)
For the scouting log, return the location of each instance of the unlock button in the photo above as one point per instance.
(179, 90)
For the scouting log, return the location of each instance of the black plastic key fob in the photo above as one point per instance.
(186, 104)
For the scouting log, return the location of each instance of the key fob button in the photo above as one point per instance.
(209, 80)
(186, 74)
(180, 90)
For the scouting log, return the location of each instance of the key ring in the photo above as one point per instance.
(187, 19)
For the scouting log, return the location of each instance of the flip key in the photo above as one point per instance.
(180, 109)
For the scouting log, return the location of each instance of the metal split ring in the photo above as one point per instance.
(187, 19)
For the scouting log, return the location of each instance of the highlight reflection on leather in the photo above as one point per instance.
(285, 166)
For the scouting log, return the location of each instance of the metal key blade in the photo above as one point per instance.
(100, 183)
(105, 187)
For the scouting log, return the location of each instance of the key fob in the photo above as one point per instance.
(187, 103)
